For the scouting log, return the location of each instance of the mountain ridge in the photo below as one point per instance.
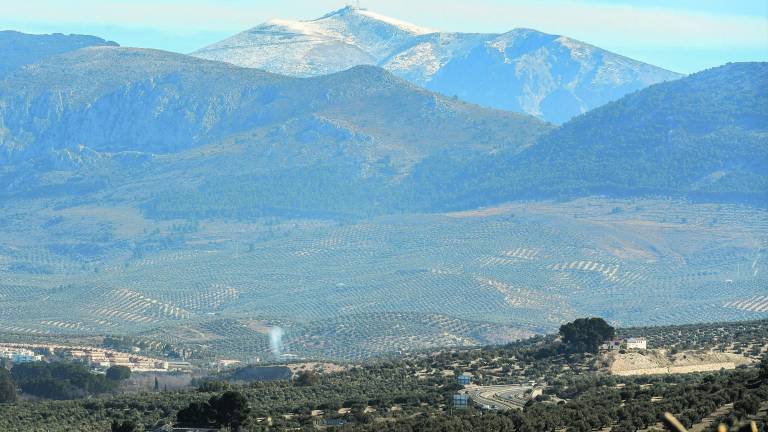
(111, 109)
(510, 71)
(113, 113)
(704, 137)
(21, 49)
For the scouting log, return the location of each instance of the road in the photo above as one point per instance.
(501, 397)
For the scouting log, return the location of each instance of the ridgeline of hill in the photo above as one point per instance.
(183, 137)
(703, 137)
(208, 134)
(19, 49)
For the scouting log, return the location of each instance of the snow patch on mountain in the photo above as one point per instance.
(404, 26)
(579, 50)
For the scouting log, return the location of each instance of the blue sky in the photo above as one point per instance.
(682, 35)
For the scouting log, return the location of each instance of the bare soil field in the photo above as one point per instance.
(655, 362)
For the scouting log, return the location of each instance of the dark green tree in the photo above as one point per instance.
(118, 373)
(7, 388)
(748, 405)
(586, 334)
(306, 378)
(231, 410)
(126, 426)
(197, 414)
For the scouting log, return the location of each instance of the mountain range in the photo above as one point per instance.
(550, 76)
(177, 135)
(95, 110)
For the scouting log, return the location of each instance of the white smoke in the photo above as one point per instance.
(276, 341)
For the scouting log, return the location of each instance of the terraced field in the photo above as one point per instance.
(354, 289)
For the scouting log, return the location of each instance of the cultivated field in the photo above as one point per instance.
(348, 290)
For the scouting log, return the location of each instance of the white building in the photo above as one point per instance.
(637, 343)
(19, 355)
(631, 343)
(26, 358)
(225, 363)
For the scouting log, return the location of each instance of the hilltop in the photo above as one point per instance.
(19, 49)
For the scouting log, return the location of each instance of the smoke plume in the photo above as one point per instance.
(276, 341)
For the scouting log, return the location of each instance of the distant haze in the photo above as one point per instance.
(684, 36)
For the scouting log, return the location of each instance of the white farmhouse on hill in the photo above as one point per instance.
(637, 343)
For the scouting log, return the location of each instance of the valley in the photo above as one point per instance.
(385, 285)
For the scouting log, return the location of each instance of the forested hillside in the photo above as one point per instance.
(102, 117)
(415, 393)
(702, 137)
(360, 142)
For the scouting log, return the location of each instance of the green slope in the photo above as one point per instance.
(202, 138)
(703, 137)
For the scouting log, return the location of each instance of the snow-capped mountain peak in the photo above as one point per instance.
(550, 76)
(350, 13)
(345, 23)
(339, 40)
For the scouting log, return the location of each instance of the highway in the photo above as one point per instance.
(500, 397)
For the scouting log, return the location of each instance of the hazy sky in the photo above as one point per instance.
(682, 35)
